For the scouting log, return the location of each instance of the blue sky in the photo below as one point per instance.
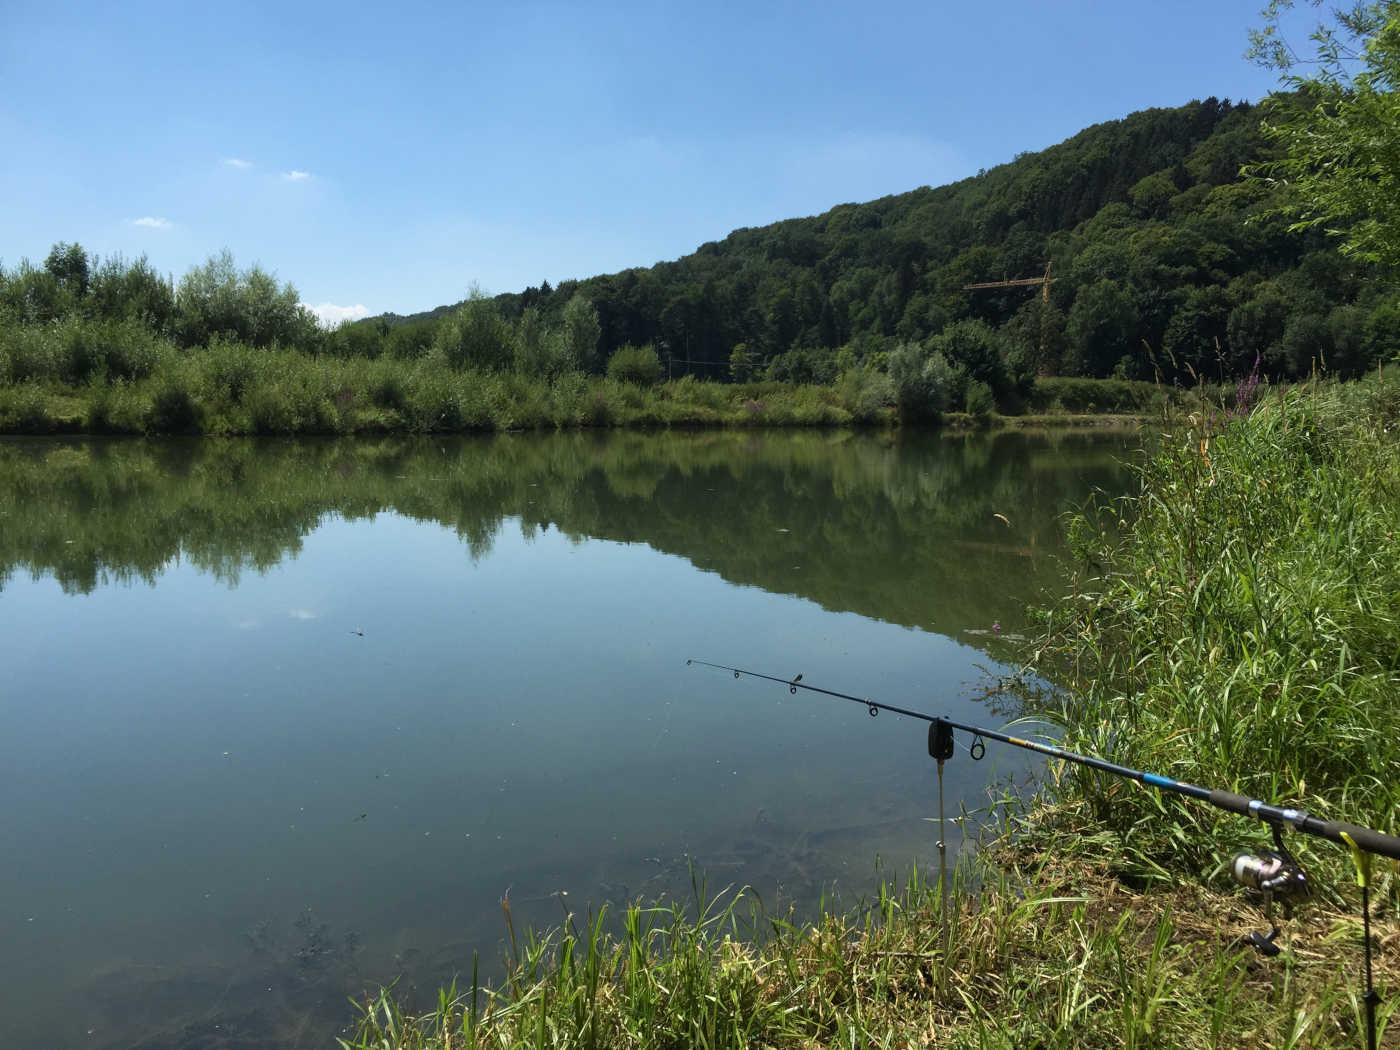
(388, 156)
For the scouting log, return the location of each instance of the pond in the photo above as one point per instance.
(286, 720)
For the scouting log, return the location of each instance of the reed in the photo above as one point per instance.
(1235, 622)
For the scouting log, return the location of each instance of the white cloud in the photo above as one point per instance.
(302, 614)
(236, 162)
(295, 176)
(330, 315)
(151, 222)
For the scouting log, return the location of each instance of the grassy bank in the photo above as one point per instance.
(67, 380)
(1237, 624)
(1041, 955)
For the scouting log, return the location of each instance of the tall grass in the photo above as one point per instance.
(1009, 962)
(1236, 623)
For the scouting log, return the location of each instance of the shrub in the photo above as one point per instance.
(80, 350)
(133, 351)
(597, 410)
(475, 335)
(270, 410)
(925, 383)
(24, 409)
(33, 352)
(174, 409)
(114, 408)
(249, 305)
(639, 365)
(431, 403)
(981, 402)
(230, 369)
(866, 394)
(124, 349)
(387, 387)
(1110, 395)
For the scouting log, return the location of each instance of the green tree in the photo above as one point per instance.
(1197, 331)
(1338, 126)
(975, 348)
(635, 364)
(1036, 335)
(69, 265)
(925, 382)
(1152, 195)
(249, 305)
(408, 342)
(743, 364)
(581, 331)
(1383, 331)
(1102, 327)
(1350, 351)
(531, 344)
(1255, 327)
(119, 291)
(31, 295)
(475, 335)
(355, 339)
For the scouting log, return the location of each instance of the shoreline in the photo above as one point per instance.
(339, 400)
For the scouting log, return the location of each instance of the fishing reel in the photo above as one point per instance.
(1274, 873)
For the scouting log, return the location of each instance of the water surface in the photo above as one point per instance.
(285, 720)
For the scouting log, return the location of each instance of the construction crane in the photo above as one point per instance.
(1026, 282)
(1020, 282)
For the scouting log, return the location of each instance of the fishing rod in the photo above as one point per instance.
(940, 733)
(1272, 872)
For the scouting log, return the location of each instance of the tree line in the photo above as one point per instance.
(1169, 248)
(1169, 260)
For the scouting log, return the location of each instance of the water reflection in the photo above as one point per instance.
(912, 530)
(286, 719)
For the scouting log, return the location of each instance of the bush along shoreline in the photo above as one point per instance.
(112, 347)
(73, 375)
(229, 388)
(1234, 623)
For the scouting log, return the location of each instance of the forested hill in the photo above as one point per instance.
(1160, 261)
